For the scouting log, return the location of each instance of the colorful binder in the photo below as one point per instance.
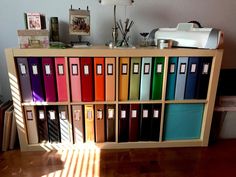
(36, 78)
(49, 77)
(100, 123)
(155, 122)
(75, 79)
(42, 122)
(203, 78)
(89, 123)
(171, 78)
(24, 77)
(64, 124)
(110, 123)
(157, 78)
(53, 124)
(99, 79)
(191, 80)
(145, 122)
(78, 123)
(134, 114)
(86, 79)
(123, 78)
(110, 79)
(123, 133)
(181, 78)
(61, 75)
(31, 124)
(145, 81)
(135, 69)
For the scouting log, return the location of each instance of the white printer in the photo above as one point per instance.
(186, 35)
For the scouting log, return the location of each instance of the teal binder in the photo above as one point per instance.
(183, 121)
(135, 68)
(157, 80)
(171, 78)
(145, 78)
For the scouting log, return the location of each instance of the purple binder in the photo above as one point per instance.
(49, 79)
(36, 78)
(24, 77)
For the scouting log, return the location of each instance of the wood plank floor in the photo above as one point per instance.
(218, 160)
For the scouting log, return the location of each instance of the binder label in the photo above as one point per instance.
(74, 69)
(124, 69)
(52, 115)
(89, 115)
(63, 115)
(35, 69)
(60, 69)
(135, 68)
(86, 70)
(22, 69)
(99, 114)
(145, 113)
(123, 114)
(29, 115)
(205, 68)
(99, 69)
(146, 68)
(156, 113)
(159, 68)
(193, 68)
(172, 68)
(134, 114)
(182, 68)
(47, 69)
(41, 115)
(77, 114)
(110, 69)
(110, 113)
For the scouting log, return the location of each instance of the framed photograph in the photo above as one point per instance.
(35, 21)
(79, 22)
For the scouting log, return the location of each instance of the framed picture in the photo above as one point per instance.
(35, 21)
(79, 22)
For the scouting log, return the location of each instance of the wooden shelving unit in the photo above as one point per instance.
(102, 51)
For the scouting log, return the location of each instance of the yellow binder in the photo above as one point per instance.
(89, 122)
(123, 79)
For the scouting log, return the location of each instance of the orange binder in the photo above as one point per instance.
(99, 77)
(123, 79)
(61, 73)
(110, 79)
(89, 123)
(75, 83)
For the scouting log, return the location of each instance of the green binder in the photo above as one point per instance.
(157, 79)
(134, 81)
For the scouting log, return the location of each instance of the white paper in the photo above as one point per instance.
(35, 69)
(47, 69)
(99, 69)
(156, 114)
(89, 115)
(77, 114)
(41, 115)
(136, 68)
(205, 68)
(99, 114)
(172, 68)
(63, 115)
(22, 69)
(134, 113)
(86, 70)
(52, 115)
(182, 68)
(110, 69)
(146, 68)
(193, 68)
(124, 69)
(60, 70)
(75, 69)
(159, 68)
(110, 113)
(29, 115)
(145, 113)
(123, 114)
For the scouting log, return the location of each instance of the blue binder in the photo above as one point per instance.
(171, 78)
(191, 81)
(145, 78)
(181, 78)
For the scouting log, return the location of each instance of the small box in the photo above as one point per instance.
(33, 38)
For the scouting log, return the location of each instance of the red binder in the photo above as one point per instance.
(75, 84)
(61, 73)
(86, 79)
(134, 114)
(99, 77)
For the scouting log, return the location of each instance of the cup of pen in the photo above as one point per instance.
(124, 31)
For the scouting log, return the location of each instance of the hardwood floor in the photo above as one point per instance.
(218, 160)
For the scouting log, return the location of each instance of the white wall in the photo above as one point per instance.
(147, 14)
